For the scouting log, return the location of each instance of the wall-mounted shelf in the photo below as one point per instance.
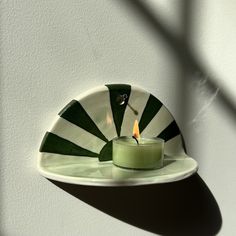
(71, 151)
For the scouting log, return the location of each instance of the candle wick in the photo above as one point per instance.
(135, 139)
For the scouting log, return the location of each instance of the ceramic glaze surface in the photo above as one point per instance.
(78, 148)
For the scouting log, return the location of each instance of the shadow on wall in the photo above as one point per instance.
(186, 207)
(180, 46)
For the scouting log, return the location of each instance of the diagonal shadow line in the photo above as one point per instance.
(183, 53)
(184, 73)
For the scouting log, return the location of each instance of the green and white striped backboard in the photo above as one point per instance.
(87, 124)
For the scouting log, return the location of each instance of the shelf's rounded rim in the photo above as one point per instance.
(117, 183)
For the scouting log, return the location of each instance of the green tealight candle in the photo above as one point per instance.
(147, 153)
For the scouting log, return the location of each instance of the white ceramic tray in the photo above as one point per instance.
(78, 147)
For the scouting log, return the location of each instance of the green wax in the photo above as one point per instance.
(148, 154)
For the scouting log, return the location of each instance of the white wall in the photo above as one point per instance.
(51, 51)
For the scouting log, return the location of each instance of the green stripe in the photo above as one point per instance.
(152, 107)
(170, 131)
(106, 152)
(118, 111)
(54, 144)
(76, 114)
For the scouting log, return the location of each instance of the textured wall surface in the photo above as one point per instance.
(51, 51)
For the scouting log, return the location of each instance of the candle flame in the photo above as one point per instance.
(136, 133)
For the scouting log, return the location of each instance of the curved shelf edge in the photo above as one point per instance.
(95, 173)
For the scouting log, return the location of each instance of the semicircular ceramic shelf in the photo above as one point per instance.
(78, 147)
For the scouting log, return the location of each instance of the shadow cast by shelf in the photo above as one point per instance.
(184, 207)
